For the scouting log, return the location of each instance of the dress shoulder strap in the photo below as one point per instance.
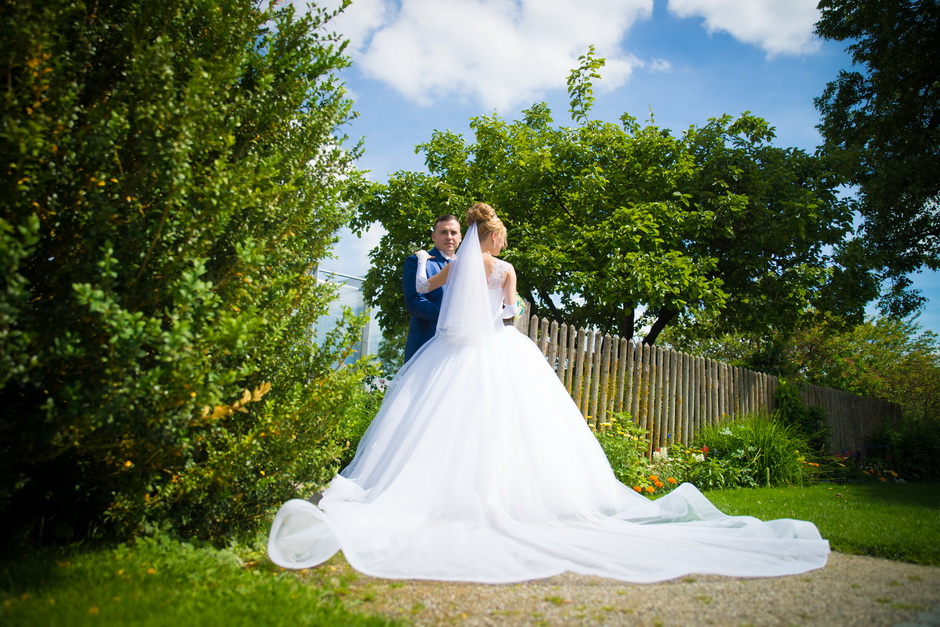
(498, 276)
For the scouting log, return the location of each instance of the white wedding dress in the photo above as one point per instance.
(479, 467)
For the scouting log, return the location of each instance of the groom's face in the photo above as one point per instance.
(446, 236)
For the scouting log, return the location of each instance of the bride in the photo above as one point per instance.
(479, 467)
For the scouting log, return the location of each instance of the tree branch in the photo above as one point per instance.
(666, 315)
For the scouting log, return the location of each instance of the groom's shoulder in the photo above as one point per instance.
(410, 264)
(437, 255)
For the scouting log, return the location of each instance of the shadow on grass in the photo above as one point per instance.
(33, 572)
(924, 494)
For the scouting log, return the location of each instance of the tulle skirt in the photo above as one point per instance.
(479, 467)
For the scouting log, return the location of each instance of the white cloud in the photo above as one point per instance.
(659, 65)
(497, 53)
(358, 21)
(777, 26)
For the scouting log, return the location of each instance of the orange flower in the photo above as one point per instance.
(658, 484)
(654, 478)
(671, 480)
(637, 488)
(650, 489)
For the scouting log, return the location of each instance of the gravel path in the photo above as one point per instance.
(850, 590)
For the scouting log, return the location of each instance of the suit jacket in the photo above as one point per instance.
(423, 308)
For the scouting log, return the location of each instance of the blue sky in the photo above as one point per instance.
(426, 65)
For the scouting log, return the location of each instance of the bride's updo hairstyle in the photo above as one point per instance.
(485, 218)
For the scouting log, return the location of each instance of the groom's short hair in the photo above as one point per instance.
(447, 217)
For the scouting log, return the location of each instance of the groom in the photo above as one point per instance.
(425, 308)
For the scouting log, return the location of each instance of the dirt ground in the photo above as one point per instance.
(850, 590)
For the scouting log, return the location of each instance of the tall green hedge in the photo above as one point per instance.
(170, 172)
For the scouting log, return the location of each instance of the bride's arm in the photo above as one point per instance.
(422, 283)
(440, 278)
(509, 290)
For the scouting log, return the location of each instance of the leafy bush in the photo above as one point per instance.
(716, 473)
(910, 447)
(752, 451)
(763, 449)
(170, 175)
(625, 445)
(811, 422)
(357, 418)
(696, 466)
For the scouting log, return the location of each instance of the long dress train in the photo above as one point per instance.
(479, 467)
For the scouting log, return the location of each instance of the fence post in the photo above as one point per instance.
(615, 381)
(657, 394)
(577, 387)
(534, 329)
(642, 378)
(628, 349)
(724, 387)
(593, 372)
(553, 346)
(764, 389)
(543, 337)
(563, 365)
(755, 391)
(572, 356)
(522, 320)
(764, 400)
(747, 390)
(709, 380)
(669, 396)
(687, 405)
(624, 374)
(652, 393)
(701, 413)
(717, 371)
(604, 380)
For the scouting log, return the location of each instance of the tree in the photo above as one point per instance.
(169, 175)
(607, 218)
(883, 122)
(884, 357)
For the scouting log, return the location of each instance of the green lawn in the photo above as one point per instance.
(160, 582)
(898, 521)
(164, 583)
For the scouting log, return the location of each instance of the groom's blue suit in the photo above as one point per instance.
(423, 308)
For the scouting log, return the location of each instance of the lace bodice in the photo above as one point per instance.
(496, 278)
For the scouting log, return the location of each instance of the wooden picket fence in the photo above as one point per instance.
(672, 394)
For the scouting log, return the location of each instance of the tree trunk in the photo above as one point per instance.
(546, 299)
(627, 322)
(666, 315)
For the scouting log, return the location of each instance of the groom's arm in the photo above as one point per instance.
(417, 304)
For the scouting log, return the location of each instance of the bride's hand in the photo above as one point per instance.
(422, 254)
